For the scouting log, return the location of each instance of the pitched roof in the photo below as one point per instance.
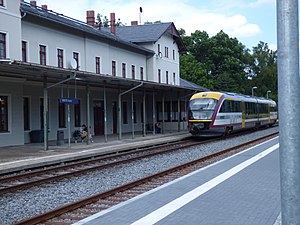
(150, 33)
(60, 19)
(187, 84)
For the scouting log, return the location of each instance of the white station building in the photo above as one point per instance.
(122, 79)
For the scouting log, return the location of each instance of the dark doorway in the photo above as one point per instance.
(115, 116)
(99, 117)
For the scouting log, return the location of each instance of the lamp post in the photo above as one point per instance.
(253, 90)
(268, 93)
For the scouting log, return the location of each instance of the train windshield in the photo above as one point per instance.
(202, 108)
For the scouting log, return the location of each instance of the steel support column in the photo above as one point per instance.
(153, 112)
(105, 113)
(88, 113)
(45, 114)
(289, 106)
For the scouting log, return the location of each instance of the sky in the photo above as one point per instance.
(250, 21)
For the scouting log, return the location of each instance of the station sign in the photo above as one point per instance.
(69, 100)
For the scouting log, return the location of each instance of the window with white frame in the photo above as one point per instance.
(166, 52)
(76, 57)
(167, 77)
(2, 46)
(174, 78)
(24, 51)
(98, 65)
(43, 55)
(159, 76)
(133, 71)
(113, 68)
(60, 58)
(142, 73)
(124, 70)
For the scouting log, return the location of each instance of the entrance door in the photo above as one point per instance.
(115, 117)
(99, 117)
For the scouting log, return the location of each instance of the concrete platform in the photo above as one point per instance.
(26, 156)
(241, 190)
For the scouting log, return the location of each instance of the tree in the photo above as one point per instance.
(221, 59)
(264, 70)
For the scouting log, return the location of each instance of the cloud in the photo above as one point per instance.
(184, 15)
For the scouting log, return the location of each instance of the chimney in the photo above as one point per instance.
(113, 23)
(44, 7)
(33, 3)
(134, 23)
(90, 17)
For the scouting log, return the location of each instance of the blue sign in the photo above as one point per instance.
(69, 100)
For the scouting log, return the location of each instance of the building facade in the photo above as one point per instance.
(117, 80)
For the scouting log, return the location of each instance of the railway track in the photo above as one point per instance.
(10, 184)
(79, 210)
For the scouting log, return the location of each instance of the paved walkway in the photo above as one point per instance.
(240, 190)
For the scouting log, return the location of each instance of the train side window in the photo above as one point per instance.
(225, 106)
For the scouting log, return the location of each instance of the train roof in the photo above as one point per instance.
(231, 96)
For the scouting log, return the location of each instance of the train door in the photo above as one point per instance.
(243, 114)
(98, 117)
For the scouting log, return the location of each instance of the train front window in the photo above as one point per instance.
(202, 109)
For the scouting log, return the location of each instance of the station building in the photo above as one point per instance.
(57, 73)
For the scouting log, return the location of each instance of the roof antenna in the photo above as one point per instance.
(140, 15)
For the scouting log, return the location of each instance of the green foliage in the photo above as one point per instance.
(223, 63)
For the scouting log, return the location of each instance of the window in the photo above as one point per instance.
(158, 49)
(167, 77)
(26, 113)
(42, 55)
(61, 115)
(2, 46)
(123, 70)
(3, 113)
(76, 57)
(1, 2)
(166, 115)
(98, 65)
(113, 68)
(142, 73)
(159, 76)
(60, 58)
(134, 112)
(24, 51)
(133, 71)
(77, 114)
(173, 54)
(166, 52)
(124, 111)
(174, 78)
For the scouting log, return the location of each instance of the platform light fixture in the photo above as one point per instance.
(268, 93)
(253, 90)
